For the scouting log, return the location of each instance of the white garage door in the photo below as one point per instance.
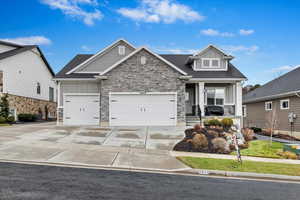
(81, 110)
(143, 110)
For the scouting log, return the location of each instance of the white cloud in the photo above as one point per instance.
(241, 48)
(284, 68)
(72, 8)
(213, 32)
(166, 11)
(37, 40)
(86, 48)
(246, 32)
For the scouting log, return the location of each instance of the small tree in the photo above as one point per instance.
(4, 106)
(272, 120)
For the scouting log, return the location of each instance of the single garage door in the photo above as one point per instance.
(143, 110)
(81, 110)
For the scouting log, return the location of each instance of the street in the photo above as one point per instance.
(24, 182)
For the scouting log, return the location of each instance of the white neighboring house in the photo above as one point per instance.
(27, 78)
(123, 85)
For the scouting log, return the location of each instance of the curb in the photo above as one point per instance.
(244, 174)
(183, 171)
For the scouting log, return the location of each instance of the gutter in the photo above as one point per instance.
(274, 96)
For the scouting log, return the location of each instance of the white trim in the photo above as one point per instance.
(75, 79)
(209, 46)
(218, 79)
(113, 93)
(81, 94)
(171, 93)
(266, 105)
(281, 103)
(136, 51)
(244, 111)
(86, 72)
(99, 53)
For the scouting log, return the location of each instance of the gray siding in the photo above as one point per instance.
(211, 53)
(107, 59)
(78, 87)
(154, 76)
(257, 116)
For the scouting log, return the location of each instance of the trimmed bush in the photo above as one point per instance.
(227, 123)
(199, 142)
(288, 155)
(220, 145)
(256, 130)
(10, 119)
(2, 120)
(248, 134)
(26, 117)
(213, 122)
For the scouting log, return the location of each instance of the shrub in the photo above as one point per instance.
(10, 119)
(4, 106)
(197, 127)
(256, 130)
(248, 134)
(227, 123)
(288, 155)
(214, 122)
(2, 120)
(220, 145)
(199, 142)
(26, 117)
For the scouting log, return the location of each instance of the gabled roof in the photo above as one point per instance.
(138, 50)
(99, 54)
(22, 48)
(179, 60)
(285, 85)
(10, 44)
(214, 47)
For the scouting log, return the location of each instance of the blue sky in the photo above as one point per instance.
(264, 36)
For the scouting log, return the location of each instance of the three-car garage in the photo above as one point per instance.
(125, 109)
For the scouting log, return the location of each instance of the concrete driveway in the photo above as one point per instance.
(125, 147)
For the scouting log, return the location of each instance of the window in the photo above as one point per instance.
(51, 94)
(285, 104)
(211, 62)
(143, 60)
(268, 106)
(38, 88)
(121, 50)
(215, 96)
(244, 111)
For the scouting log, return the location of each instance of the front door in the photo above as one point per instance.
(190, 99)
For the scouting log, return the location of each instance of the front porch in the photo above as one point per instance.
(212, 99)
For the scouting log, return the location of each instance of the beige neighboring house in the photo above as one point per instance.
(27, 78)
(279, 98)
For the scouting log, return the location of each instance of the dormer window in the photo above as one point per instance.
(121, 50)
(210, 62)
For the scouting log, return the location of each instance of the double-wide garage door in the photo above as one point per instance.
(142, 110)
(81, 110)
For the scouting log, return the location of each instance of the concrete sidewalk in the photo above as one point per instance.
(232, 157)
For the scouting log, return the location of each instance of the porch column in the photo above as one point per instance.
(238, 103)
(201, 97)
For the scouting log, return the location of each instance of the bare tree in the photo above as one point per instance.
(272, 121)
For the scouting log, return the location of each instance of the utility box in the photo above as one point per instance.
(295, 148)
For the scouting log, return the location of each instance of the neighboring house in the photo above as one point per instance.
(125, 85)
(27, 78)
(278, 98)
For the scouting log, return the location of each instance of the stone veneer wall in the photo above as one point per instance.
(154, 76)
(32, 106)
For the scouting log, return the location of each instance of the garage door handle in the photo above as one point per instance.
(68, 117)
(172, 118)
(113, 118)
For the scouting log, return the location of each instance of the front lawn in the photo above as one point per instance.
(5, 125)
(246, 166)
(260, 148)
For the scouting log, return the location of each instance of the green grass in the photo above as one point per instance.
(259, 148)
(246, 166)
(5, 125)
